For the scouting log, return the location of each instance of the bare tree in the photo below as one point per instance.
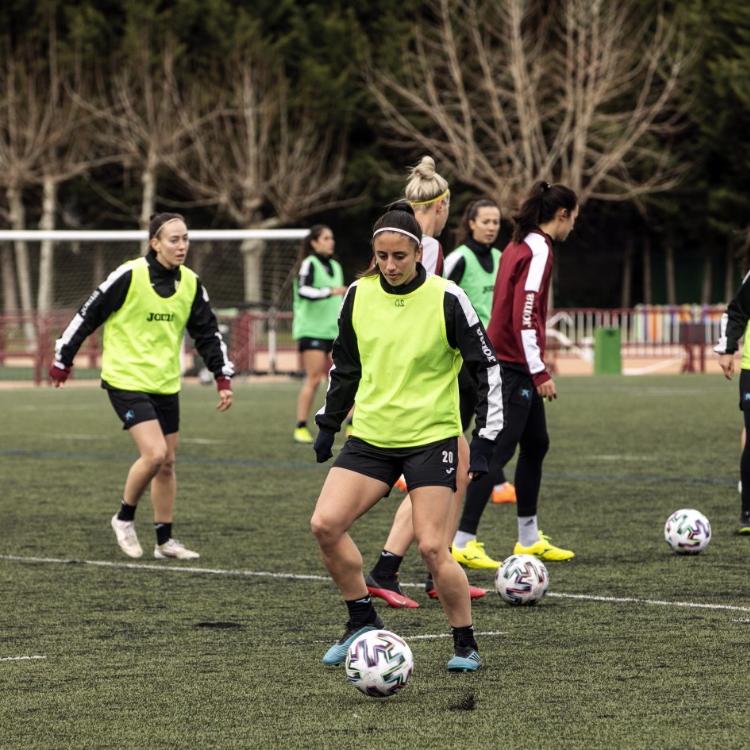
(145, 117)
(261, 160)
(503, 93)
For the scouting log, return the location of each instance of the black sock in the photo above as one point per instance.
(464, 637)
(302, 423)
(387, 565)
(361, 611)
(126, 512)
(163, 532)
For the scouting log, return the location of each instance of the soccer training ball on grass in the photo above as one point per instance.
(522, 579)
(687, 531)
(379, 663)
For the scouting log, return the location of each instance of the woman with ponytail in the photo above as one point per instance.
(406, 422)
(517, 331)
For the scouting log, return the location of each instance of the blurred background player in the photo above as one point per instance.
(428, 193)
(473, 266)
(734, 326)
(517, 331)
(406, 421)
(147, 304)
(317, 298)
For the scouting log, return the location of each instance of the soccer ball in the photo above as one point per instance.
(687, 531)
(522, 579)
(379, 663)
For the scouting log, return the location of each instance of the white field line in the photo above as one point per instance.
(20, 658)
(435, 636)
(168, 568)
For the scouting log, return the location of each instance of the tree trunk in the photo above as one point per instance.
(647, 276)
(10, 298)
(669, 273)
(17, 221)
(47, 248)
(252, 253)
(148, 200)
(729, 278)
(627, 273)
(707, 281)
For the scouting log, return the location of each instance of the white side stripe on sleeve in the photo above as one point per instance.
(450, 263)
(531, 351)
(468, 310)
(539, 255)
(495, 416)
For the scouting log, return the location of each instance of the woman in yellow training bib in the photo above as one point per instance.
(317, 297)
(146, 305)
(406, 421)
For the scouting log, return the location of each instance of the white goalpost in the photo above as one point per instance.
(248, 273)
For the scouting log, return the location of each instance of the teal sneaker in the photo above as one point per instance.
(337, 653)
(466, 659)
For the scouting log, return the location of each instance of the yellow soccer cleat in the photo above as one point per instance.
(473, 556)
(504, 493)
(544, 550)
(302, 435)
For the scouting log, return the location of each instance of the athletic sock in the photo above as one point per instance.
(387, 565)
(302, 423)
(361, 611)
(462, 538)
(126, 512)
(163, 532)
(528, 533)
(464, 637)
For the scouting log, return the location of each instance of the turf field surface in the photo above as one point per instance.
(633, 646)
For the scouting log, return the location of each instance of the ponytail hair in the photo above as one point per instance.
(540, 206)
(470, 214)
(425, 186)
(315, 231)
(398, 218)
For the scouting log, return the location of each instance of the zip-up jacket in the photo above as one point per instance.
(734, 321)
(517, 325)
(464, 333)
(109, 297)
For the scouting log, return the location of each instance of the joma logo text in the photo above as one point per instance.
(160, 316)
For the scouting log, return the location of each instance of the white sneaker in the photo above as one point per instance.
(172, 549)
(126, 537)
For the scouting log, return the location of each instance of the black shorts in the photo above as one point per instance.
(323, 345)
(133, 408)
(434, 464)
(744, 390)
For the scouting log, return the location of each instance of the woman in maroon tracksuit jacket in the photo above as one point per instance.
(517, 331)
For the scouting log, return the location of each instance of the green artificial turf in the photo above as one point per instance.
(153, 655)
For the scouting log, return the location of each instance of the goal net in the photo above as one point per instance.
(47, 275)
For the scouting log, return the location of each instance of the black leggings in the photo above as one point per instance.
(526, 427)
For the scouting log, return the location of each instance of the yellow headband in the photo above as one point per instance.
(444, 194)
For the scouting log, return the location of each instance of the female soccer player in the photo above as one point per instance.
(317, 298)
(473, 266)
(406, 421)
(146, 305)
(734, 326)
(429, 195)
(517, 331)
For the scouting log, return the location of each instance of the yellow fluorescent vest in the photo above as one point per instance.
(408, 392)
(745, 361)
(141, 347)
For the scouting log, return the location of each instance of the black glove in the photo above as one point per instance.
(323, 445)
(480, 455)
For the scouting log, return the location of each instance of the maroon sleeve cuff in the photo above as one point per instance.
(223, 384)
(541, 377)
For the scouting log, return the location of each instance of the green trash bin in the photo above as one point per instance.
(607, 355)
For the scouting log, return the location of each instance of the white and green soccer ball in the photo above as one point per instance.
(522, 579)
(687, 531)
(379, 663)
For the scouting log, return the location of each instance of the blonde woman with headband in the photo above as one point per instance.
(406, 421)
(146, 305)
(428, 194)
